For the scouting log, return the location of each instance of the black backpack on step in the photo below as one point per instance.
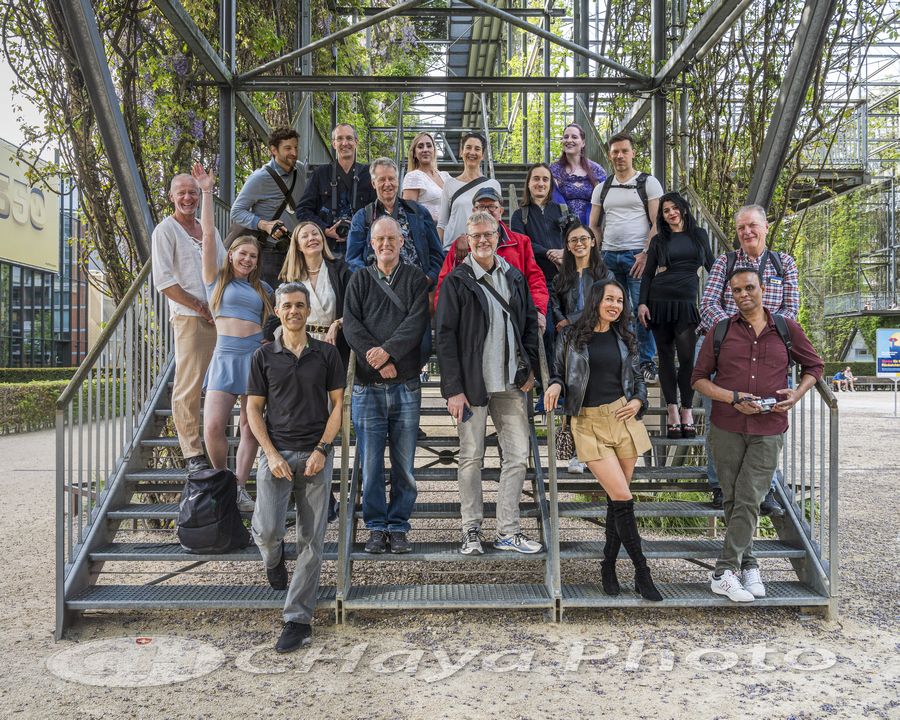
(209, 521)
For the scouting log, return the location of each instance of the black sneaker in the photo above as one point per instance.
(294, 635)
(377, 543)
(398, 542)
(333, 508)
(770, 506)
(196, 464)
(717, 498)
(649, 370)
(277, 576)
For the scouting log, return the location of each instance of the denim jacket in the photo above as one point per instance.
(571, 369)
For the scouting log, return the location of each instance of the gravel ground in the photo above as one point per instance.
(721, 663)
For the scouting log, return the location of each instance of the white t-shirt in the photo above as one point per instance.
(625, 224)
(429, 191)
(453, 222)
(177, 261)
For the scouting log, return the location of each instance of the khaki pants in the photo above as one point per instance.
(195, 340)
(745, 464)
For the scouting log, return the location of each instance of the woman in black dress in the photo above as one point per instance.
(668, 304)
(597, 364)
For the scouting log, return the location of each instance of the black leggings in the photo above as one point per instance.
(680, 337)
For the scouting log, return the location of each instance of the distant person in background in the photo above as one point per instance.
(458, 193)
(178, 274)
(849, 379)
(576, 176)
(423, 182)
(839, 381)
(668, 304)
(240, 303)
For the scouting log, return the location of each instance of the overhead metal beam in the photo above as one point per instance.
(710, 28)
(330, 40)
(186, 29)
(556, 39)
(456, 12)
(84, 37)
(805, 55)
(335, 83)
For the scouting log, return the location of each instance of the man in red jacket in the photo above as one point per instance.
(513, 247)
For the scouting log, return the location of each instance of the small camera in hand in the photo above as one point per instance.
(766, 404)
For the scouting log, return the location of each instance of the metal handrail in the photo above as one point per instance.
(345, 516)
(552, 473)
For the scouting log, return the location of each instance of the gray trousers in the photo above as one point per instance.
(508, 413)
(745, 465)
(273, 496)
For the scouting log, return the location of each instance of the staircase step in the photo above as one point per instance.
(682, 509)
(690, 595)
(167, 551)
(659, 441)
(678, 549)
(432, 441)
(436, 597)
(450, 510)
(448, 552)
(171, 597)
(425, 411)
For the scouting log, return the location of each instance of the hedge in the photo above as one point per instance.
(32, 406)
(859, 369)
(31, 374)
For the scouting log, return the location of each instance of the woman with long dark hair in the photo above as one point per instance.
(668, 304)
(239, 302)
(582, 266)
(597, 365)
(542, 220)
(576, 176)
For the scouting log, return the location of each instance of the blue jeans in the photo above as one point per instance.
(619, 263)
(387, 414)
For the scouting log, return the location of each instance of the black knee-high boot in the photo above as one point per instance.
(610, 553)
(626, 525)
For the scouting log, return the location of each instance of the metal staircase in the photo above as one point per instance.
(118, 475)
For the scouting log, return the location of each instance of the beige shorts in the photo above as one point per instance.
(598, 434)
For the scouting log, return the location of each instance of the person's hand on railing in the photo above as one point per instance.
(790, 397)
(279, 466)
(643, 314)
(551, 397)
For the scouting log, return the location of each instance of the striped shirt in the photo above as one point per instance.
(781, 294)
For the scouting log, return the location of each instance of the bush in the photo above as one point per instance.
(30, 374)
(29, 406)
(859, 369)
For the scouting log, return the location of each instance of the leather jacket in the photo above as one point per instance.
(571, 369)
(562, 304)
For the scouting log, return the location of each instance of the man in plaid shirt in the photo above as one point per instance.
(781, 295)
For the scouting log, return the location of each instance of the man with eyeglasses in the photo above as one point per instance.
(513, 247)
(781, 296)
(487, 347)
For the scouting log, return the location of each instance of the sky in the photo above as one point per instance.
(9, 126)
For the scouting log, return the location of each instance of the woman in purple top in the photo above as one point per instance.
(575, 175)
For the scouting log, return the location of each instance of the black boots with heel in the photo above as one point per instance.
(628, 535)
(610, 553)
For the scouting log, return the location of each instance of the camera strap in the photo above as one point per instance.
(353, 191)
(287, 191)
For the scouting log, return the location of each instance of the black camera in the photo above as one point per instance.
(279, 237)
(343, 229)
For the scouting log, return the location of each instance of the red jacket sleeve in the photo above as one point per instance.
(449, 264)
(521, 256)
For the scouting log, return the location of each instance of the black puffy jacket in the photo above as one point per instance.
(571, 369)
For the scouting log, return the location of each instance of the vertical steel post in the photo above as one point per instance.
(226, 102)
(546, 94)
(305, 121)
(658, 111)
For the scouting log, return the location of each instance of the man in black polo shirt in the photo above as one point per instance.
(292, 379)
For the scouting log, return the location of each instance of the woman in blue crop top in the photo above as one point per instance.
(240, 303)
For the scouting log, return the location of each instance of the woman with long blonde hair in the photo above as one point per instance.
(423, 182)
(240, 303)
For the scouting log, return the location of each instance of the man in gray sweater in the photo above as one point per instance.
(385, 315)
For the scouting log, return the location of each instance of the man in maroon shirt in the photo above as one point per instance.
(746, 436)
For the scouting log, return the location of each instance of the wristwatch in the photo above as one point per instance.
(735, 398)
(324, 448)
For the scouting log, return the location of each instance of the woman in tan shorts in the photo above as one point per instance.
(597, 365)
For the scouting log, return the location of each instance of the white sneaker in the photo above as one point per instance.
(729, 584)
(575, 466)
(751, 581)
(471, 542)
(517, 542)
(245, 503)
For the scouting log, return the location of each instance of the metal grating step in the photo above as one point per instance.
(175, 597)
(435, 441)
(140, 552)
(658, 441)
(393, 597)
(424, 411)
(592, 487)
(678, 549)
(690, 595)
(681, 509)
(447, 552)
(449, 510)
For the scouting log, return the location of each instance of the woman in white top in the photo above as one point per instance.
(423, 182)
(456, 208)
(309, 261)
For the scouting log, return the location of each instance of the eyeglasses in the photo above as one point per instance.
(478, 237)
(491, 207)
(580, 240)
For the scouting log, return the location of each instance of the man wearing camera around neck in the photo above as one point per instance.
(265, 206)
(750, 355)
